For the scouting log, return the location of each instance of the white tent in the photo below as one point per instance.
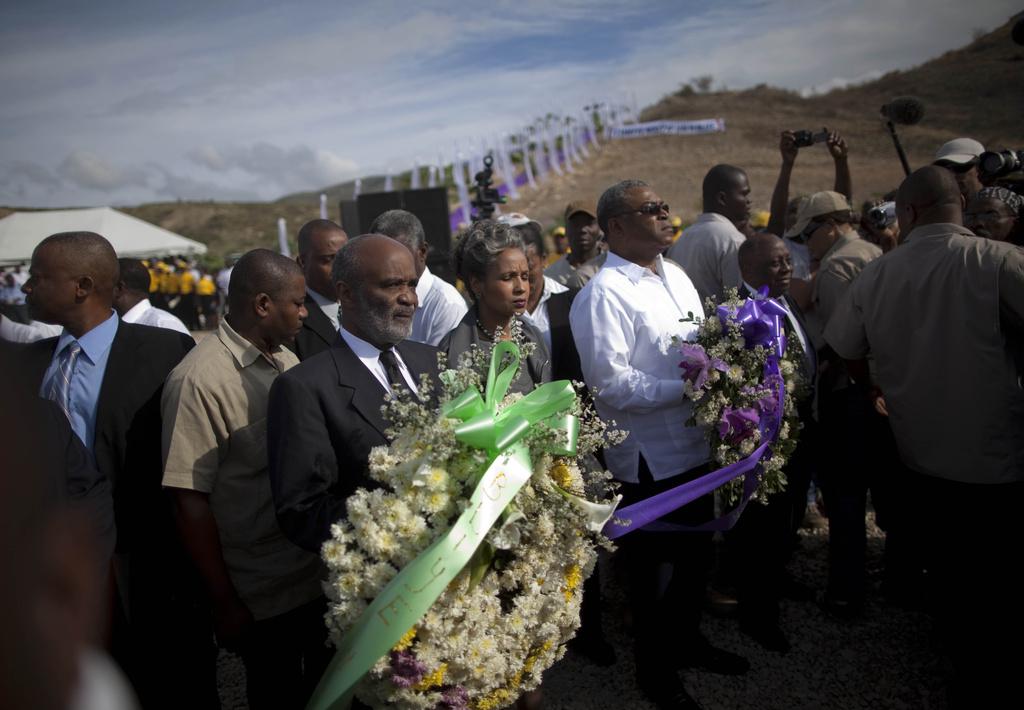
(22, 231)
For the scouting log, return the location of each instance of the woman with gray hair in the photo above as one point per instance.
(490, 258)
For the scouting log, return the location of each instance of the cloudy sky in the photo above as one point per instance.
(128, 101)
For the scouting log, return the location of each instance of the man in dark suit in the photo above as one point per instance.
(319, 242)
(761, 542)
(107, 377)
(325, 414)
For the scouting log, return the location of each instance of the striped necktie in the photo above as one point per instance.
(60, 385)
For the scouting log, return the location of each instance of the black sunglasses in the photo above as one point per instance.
(648, 208)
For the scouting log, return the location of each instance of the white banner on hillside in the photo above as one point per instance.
(669, 128)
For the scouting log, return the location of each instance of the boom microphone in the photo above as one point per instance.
(904, 110)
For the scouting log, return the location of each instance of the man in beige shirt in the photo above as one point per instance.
(584, 258)
(265, 592)
(825, 223)
(936, 314)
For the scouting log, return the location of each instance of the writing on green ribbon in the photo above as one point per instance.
(412, 592)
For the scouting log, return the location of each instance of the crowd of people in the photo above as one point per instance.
(208, 476)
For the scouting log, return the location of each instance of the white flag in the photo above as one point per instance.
(524, 144)
(460, 186)
(554, 159)
(323, 206)
(282, 237)
(508, 168)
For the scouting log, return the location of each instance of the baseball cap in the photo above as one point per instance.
(818, 204)
(517, 219)
(584, 206)
(959, 151)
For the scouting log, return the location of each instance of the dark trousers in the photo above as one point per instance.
(162, 636)
(285, 656)
(973, 535)
(667, 575)
(845, 475)
(188, 311)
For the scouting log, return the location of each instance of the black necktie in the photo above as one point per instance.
(393, 371)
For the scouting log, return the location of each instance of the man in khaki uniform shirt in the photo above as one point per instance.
(265, 592)
(937, 313)
(826, 223)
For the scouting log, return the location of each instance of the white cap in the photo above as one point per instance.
(959, 151)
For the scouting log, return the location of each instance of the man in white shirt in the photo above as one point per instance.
(623, 323)
(707, 248)
(440, 308)
(131, 299)
(319, 242)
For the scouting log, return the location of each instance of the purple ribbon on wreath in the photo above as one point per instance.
(761, 323)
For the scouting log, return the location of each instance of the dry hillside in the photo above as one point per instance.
(975, 91)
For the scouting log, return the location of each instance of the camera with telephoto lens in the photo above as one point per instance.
(487, 196)
(997, 164)
(881, 216)
(802, 139)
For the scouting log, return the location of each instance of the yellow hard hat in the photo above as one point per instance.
(558, 232)
(677, 221)
(759, 219)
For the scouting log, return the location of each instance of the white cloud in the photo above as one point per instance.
(296, 168)
(289, 97)
(92, 172)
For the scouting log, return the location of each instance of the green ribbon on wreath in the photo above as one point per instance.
(412, 592)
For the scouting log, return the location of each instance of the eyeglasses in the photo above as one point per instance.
(647, 208)
(958, 168)
(812, 227)
(987, 216)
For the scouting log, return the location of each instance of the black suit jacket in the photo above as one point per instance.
(127, 447)
(565, 359)
(323, 418)
(317, 335)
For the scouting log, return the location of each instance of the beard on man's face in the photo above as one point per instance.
(383, 323)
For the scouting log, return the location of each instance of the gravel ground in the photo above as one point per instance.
(883, 660)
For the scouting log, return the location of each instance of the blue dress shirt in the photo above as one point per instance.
(87, 376)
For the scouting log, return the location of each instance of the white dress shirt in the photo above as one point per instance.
(440, 309)
(144, 313)
(369, 355)
(810, 358)
(623, 322)
(14, 332)
(540, 317)
(329, 307)
(708, 250)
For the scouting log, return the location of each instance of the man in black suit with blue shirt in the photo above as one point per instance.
(106, 376)
(325, 414)
(319, 243)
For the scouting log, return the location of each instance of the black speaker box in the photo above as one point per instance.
(430, 205)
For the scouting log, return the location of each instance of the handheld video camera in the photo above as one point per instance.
(487, 196)
(881, 216)
(802, 139)
(996, 164)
